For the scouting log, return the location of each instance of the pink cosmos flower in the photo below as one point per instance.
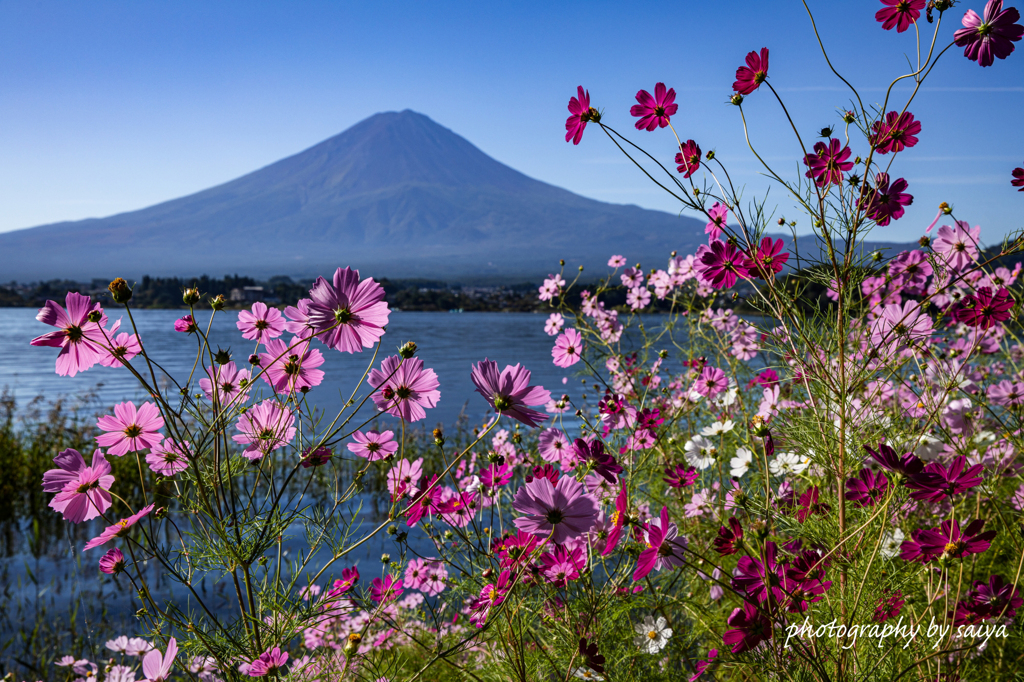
(983, 309)
(887, 200)
(899, 14)
(958, 245)
(750, 77)
(580, 113)
(123, 347)
(492, 595)
(112, 562)
(554, 324)
(169, 458)
(1006, 393)
(638, 298)
(119, 529)
(664, 547)
(130, 430)
(568, 348)
(374, 445)
(185, 325)
(768, 259)
(654, 112)
(828, 162)
(386, 590)
(415, 573)
(991, 36)
(1018, 181)
(290, 367)
(231, 383)
(562, 511)
(910, 269)
(553, 446)
(616, 261)
(711, 382)
(509, 391)
(347, 315)
(717, 216)
(403, 477)
(82, 491)
(80, 341)
(298, 318)
(688, 158)
(405, 388)
(896, 133)
(157, 668)
(260, 324)
(269, 663)
(265, 428)
(720, 264)
(901, 327)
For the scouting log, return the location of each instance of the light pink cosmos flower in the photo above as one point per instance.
(405, 388)
(509, 391)
(616, 261)
(554, 324)
(269, 663)
(80, 341)
(550, 288)
(82, 491)
(130, 430)
(404, 477)
(157, 667)
(265, 428)
(562, 511)
(568, 348)
(123, 347)
(231, 383)
(120, 673)
(169, 458)
(373, 445)
(437, 573)
(958, 245)
(119, 529)
(638, 298)
(554, 446)
(711, 382)
(290, 367)
(632, 277)
(718, 215)
(298, 319)
(415, 574)
(900, 328)
(112, 562)
(348, 315)
(260, 324)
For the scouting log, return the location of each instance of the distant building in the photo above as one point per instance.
(247, 295)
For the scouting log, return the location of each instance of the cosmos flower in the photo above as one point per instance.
(80, 340)
(896, 133)
(984, 38)
(1018, 181)
(562, 511)
(592, 453)
(899, 14)
(828, 162)
(947, 541)
(937, 482)
(347, 314)
(386, 590)
(374, 445)
(405, 388)
(868, 488)
(750, 77)
(130, 430)
(261, 323)
(157, 667)
(750, 628)
(769, 258)
(886, 201)
(719, 264)
(509, 391)
(169, 458)
(717, 216)
(983, 309)
(654, 112)
(265, 428)
(230, 381)
(568, 348)
(290, 367)
(119, 529)
(652, 635)
(112, 562)
(82, 491)
(729, 540)
(958, 245)
(664, 547)
(580, 113)
(688, 158)
(123, 347)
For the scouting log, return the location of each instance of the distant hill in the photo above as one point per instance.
(396, 195)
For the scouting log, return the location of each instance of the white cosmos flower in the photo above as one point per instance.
(584, 673)
(891, 542)
(741, 462)
(788, 463)
(726, 398)
(928, 447)
(652, 635)
(718, 428)
(700, 453)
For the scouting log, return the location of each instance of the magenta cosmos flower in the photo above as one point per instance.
(580, 113)
(157, 667)
(347, 315)
(562, 511)
(568, 348)
(887, 200)
(983, 309)
(80, 341)
(82, 491)
(231, 382)
(374, 445)
(828, 163)
(899, 14)
(405, 388)
(386, 590)
(900, 327)
(958, 245)
(935, 483)
(654, 112)
(664, 547)
(983, 39)
(688, 158)
(112, 562)
(269, 663)
(618, 521)
(509, 392)
(896, 133)
(130, 430)
(1018, 181)
(720, 264)
(750, 77)
(290, 367)
(119, 529)
(769, 258)
(750, 628)
(169, 458)
(947, 541)
(261, 323)
(265, 428)
(185, 325)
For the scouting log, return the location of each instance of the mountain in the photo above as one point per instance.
(395, 195)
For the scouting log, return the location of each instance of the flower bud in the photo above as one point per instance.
(876, 256)
(407, 350)
(448, 535)
(945, 208)
(438, 436)
(120, 291)
(849, 117)
(925, 242)
(254, 360)
(826, 132)
(190, 296)
(581, 268)
(95, 315)
(561, 261)
(943, 5)
(517, 438)
(222, 357)
(710, 155)
(385, 558)
(782, 221)
(352, 645)
(160, 513)
(392, 529)
(218, 302)
(736, 99)
(696, 191)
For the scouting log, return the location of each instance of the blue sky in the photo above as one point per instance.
(113, 106)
